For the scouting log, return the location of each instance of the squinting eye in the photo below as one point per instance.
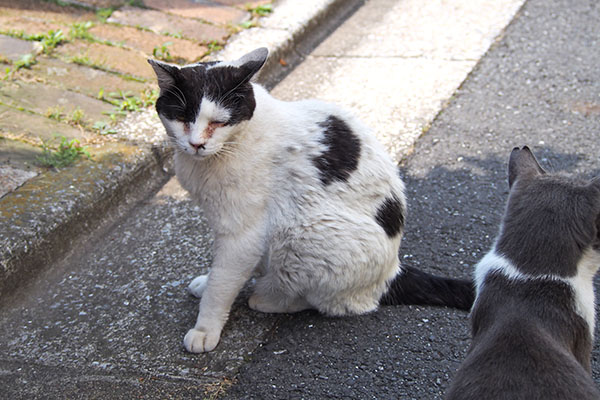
(217, 124)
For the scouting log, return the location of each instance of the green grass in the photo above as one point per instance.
(162, 52)
(80, 30)
(214, 46)
(48, 40)
(104, 13)
(26, 61)
(56, 113)
(103, 128)
(176, 35)
(261, 11)
(51, 39)
(65, 154)
(77, 117)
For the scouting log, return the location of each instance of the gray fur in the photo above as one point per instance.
(533, 317)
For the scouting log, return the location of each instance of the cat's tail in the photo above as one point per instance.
(412, 286)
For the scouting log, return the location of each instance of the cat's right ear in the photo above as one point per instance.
(252, 62)
(164, 72)
(522, 162)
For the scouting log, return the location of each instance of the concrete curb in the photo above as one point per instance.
(49, 215)
(46, 217)
(290, 32)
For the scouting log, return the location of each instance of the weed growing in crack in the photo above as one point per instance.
(162, 52)
(56, 113)
(80, 30)
(67, 152)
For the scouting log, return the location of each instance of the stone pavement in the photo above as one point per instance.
(75, 84)
(110, 317)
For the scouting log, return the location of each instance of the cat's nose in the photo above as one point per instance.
(197, 146)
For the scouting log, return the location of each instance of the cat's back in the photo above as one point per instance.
(516, 357)
(334, 144)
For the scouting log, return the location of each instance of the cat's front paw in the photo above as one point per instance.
(197, 286)
(200, 341)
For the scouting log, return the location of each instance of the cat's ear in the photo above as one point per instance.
(164, 72)
(251, 63)
(522, 162)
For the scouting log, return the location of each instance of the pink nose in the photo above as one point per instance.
(197, 146)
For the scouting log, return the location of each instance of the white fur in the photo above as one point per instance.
(197, 286)
(320, 246)
(582, 284)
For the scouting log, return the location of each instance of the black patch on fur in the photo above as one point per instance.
(528, 343)
(227, 86)
(390, 215)
(231, 89)
(342, 154)
(413, 286)
(180, 100)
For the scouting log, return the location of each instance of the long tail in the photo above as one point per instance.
(412, 286)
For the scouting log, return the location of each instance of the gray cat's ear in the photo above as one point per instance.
(252, 62)
(522, 162)
(164, 72)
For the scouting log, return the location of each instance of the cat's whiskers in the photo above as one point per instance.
(180, 96)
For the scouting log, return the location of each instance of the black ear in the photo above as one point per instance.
(522, 162)
(251, 63)
(164, 72)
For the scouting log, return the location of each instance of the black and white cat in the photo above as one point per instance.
(301, 192)
(533, 317)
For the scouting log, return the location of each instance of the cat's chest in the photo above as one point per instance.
(228, 194)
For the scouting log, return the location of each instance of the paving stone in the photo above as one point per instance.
(37, 21)
(242, 3)
(30, 25)
(37, 6)
(16, 164)
(35, 128)
(41, 98)
(100, 3)
(146, 41)
(114, 58)
(78, 78)
(205, 10)
(18, 155)
(163, 23)
(11, 178)
(13, 48)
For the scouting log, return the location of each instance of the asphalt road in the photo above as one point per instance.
(540, 86)
(108, 321)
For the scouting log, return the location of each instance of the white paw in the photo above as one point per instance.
(197, 286)
(200, 341)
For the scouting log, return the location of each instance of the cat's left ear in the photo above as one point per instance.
(251, 63)
(522, 162)
(164, 72)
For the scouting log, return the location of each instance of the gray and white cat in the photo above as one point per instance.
(300, 192)
(533, 317)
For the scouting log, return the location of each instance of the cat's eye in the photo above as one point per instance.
(216, 124)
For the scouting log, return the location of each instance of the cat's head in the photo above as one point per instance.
(201, 104)
(549, 218)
